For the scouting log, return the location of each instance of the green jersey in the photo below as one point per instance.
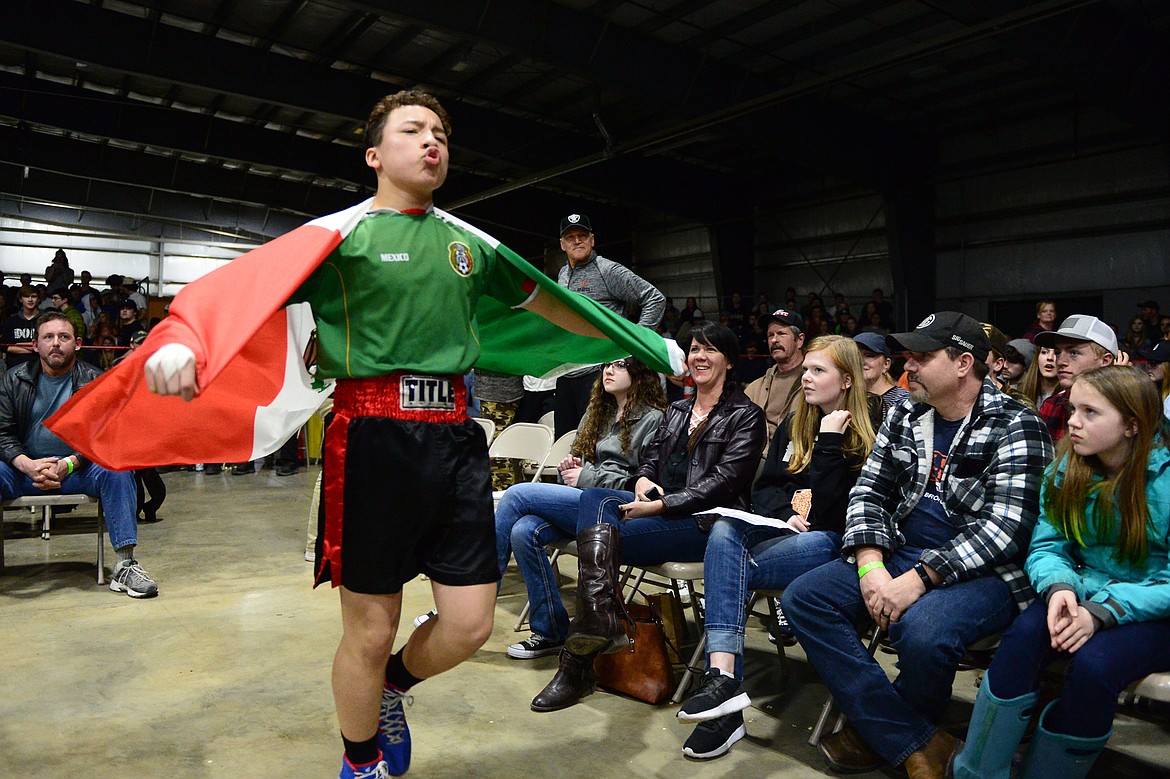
(400, 293)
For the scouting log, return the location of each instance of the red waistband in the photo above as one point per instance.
(386, 396)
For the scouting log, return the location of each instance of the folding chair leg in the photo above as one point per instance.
(688, 674)
(46, 519)
(818, 731)
(633, 588)
(101, 541)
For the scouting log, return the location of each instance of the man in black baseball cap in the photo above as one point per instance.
(611, 284)
(944, 330)
(931, 550)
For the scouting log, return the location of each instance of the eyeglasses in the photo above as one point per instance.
(617, 365)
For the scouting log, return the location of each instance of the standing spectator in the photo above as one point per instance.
(1135, 337)
(688, 312)
(875, 324)
(58, 273)
(1045, 320)
(1082, 343)
(62, 303)
(20, 329)
(128, 322)
(875, 363)
(933, 549)
(684, 331)
(1159, 371)
(884, 308)
(612, 285)
(776, 390)
(91, 311)
(146, 480)
(86, 285)
(738, 309)
(1149, 314)
(1163, 333)
(499, 397)
(1098, 561)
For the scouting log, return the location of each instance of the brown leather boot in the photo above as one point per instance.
(931, 761)
(847, 753)
(573, 681)
(598, 625)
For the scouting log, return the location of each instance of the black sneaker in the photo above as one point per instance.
(714, 737)
(534, 646)
(286, 469)
(718, 696)
(780, 630)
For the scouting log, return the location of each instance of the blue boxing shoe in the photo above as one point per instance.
(393, 734)
(374, 770)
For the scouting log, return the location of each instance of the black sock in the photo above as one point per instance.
(397, 675)
(360, 752)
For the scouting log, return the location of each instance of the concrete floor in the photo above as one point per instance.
(226, 673)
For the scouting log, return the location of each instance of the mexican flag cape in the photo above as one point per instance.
(250, 350)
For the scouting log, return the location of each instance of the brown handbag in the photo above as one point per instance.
(642, 671)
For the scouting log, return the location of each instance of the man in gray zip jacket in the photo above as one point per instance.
(612, 285)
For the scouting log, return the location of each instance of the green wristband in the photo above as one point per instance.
(69, 465)
(863, 570)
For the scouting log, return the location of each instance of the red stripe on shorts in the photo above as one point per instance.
(336, 438)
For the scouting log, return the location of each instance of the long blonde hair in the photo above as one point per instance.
(806, 419)
(1136, 398)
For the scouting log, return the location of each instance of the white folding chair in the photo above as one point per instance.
(489, 427)
(549, 421)
(522, 441)
(559, 451)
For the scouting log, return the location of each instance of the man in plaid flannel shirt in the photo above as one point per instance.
(937, 530)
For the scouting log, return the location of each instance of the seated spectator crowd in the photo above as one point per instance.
(1007, 490)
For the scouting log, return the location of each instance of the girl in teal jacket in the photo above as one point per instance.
(1099, 562)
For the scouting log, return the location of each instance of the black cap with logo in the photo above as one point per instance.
(943, 330)
(576, 220)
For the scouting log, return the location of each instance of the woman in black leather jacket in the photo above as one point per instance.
(704, 455)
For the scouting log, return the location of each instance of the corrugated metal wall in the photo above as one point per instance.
(1097, 223)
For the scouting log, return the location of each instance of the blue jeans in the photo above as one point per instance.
(825, 609)
(647, 540)
(115, 488)
(1105, 665)
(742, 557)
(531, 516)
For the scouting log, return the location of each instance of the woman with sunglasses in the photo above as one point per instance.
(625, 409)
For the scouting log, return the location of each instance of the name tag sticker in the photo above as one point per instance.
(426, 392)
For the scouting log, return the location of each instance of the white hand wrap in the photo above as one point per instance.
(170, 359)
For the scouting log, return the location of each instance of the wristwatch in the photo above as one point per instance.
(927, 582)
